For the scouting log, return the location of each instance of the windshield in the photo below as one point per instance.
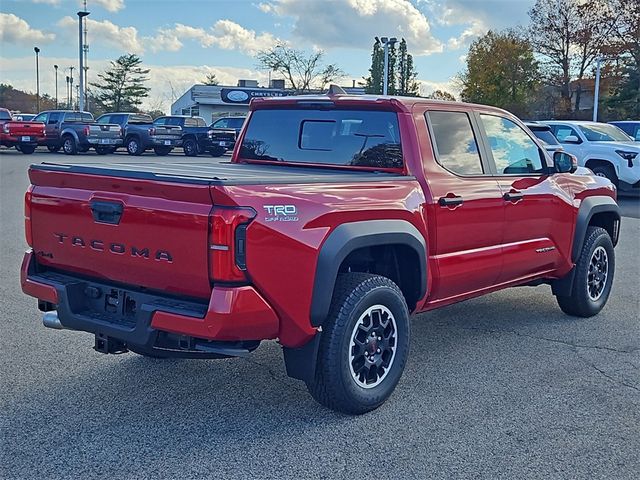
(545, 135)
(603, 133)
(362, 138)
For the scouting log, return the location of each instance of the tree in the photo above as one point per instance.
(407, 84)
(210, 79)
(122, 86)
(302, 70)
(401, 76)
(155, 113)
(570, 34)
(442, 95)
(501, 71)
(24, 102)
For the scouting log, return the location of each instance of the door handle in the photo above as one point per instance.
(513, 196)
(450, 201)
(106, 212)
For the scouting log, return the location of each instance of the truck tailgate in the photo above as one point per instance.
(130, 231)
(104, 131)
(33, 129)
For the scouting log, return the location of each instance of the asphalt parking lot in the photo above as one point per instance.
(503, 386)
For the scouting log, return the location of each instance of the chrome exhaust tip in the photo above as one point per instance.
(51, 320)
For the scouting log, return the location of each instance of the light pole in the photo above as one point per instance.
(385, 81)
(71, 88)
(81, 15)
(37, 50)
(596, 92)
(67, 91)
(55, 67)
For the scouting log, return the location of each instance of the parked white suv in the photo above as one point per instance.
(604, 148)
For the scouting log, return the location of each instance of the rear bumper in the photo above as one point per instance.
(105, 142)
(162, 142)
(13, 140)
(140, 318)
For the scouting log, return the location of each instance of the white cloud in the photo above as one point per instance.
(109, 5)
(124, 39)
(14, 29)
(48, 2)
(354, 23)
(427, 87)
(224, 34)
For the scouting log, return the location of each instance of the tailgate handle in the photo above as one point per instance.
(106, 212)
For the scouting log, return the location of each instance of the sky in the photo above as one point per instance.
(183, 40)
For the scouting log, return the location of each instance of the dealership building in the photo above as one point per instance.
(211, 102)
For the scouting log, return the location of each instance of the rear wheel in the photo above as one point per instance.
(27, 149)
(364, 344)
(190, 147)
(133, 146)
(53, 148)
(162, 151)
(69, 145)
(606, 171)
(593, 276)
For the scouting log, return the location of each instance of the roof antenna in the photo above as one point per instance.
(336, 90)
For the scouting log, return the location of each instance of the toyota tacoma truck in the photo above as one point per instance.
(337, 217)
(141, 134)
(21, 134)
(76, 131)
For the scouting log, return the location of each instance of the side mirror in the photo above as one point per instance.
(564, 162)
(571, 139)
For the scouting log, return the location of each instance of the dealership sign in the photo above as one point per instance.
(244, 95)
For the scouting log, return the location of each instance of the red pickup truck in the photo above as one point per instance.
(22, 135)
(337, 217)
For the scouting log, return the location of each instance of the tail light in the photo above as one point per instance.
(121, 130)
(87, 129)
(152, 131)
(228, 243)
(28, 196)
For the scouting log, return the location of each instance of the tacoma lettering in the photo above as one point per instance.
(114, 247)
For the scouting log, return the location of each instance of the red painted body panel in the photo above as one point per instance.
(35, 289)
(481, 246)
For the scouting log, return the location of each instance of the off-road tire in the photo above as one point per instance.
(334, 385)
(133, 146)
(69, 146)
(580, 303)
(190, 147)
(606, 171)
(162, 151)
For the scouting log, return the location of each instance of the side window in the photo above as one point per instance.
(54, 118)
(160, 121)
(201, 122)
(118, 119)
(42, 117)
(563, 131)
(514, 152)
(190, 122)
(104, 119)
(221, 123)
(71, 117)
(454, 142)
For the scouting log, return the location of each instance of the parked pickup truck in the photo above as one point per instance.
(197, 137)
(141, 134)
(23, 135)
(605, 149)
(337, 217)
(224, 126)
(75, 131)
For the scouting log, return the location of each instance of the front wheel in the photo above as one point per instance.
(217, 151)
(593, 276)
(364, 344)
(190, 148)
(606, 171)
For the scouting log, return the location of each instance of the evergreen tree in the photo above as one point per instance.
(407, 84)
(122, 86)
(373, 83)
(211, 79)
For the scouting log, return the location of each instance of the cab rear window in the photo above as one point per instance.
(360, 138)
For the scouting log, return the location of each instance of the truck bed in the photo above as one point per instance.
(220, 173)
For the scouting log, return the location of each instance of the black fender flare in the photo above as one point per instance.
(589, 207)
(72, 132)
(348, 237)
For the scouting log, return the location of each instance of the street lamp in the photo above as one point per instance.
(37, 50)
(81, 15)
(55, 67)
(71, 87)
(386, 42)
(67, 91)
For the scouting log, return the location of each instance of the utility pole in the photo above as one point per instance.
(55, 67)
(67, 91)
(386, 42)
(81, 15)
(37, 50)
(85, 48)
(71, 87)
(596, 92)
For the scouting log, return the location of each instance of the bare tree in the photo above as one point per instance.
(303, 71)
(570, 34)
